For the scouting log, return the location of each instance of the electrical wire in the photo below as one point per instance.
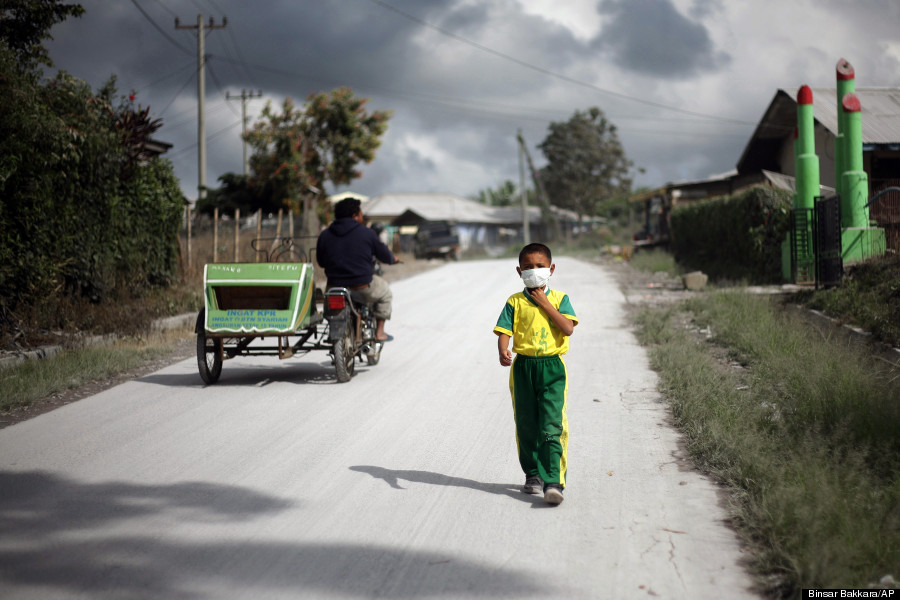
(184, 85)
(160, 29)
(166, 8)
(472, 106)
(219, 86)
(189, 115)
(164, 77)
(209, 138)
(560, 76)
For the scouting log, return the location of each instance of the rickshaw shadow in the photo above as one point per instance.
(255, 376)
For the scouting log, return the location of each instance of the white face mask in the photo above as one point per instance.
(536, 278)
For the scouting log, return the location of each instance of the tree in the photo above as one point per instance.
(237, 192)
(587, 165)
(297, 151)
(84, 210)
(504, 195)
(25, 24)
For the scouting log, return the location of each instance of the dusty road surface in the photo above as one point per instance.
(277, 482)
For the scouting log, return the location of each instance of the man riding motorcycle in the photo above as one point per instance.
(345, 250)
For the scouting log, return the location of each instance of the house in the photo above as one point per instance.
(480, 226)
(344, 195)
(772, 146)
(768, 158)
(655, 205)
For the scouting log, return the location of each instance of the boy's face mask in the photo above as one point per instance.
(536, 278)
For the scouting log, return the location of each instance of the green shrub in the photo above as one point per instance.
(736, 237)
(79, 215)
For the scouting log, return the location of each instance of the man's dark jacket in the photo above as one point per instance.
(345, 250)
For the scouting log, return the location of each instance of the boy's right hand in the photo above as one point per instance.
(506, 358)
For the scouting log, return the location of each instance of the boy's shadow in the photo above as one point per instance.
(392, 477)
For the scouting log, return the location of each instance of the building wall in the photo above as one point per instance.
(824, 150)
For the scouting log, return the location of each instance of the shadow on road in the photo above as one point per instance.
(392, 478)
(235, 375)
(60, 536)
(37, 504)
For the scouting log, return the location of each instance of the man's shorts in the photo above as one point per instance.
(378, 293)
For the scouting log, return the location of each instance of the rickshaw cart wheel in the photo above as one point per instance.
(209, 352)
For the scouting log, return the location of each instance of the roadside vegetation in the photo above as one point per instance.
(869, 298)
(655, 260)
(34, 380)
(804, 431)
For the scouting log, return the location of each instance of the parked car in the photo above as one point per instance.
(436, 239)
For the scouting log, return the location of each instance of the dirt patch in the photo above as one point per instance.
(645, 289)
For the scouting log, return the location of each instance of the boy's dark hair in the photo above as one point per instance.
(535, 247)
(346, 208)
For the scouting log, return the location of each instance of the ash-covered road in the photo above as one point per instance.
(403, 483)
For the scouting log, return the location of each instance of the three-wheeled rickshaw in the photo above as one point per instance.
(274, 308)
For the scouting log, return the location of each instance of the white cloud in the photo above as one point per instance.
(578, 16)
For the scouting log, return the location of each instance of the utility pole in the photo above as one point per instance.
(201, 94)
(245, 95)
(547, 213)
(526, 232)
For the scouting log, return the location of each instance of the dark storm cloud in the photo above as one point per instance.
(456, 107)
(651, 37)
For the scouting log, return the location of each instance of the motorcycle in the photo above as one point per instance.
(351, 332)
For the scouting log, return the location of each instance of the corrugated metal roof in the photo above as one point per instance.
(880, 122)
(444, 207)
(880, 113)
(789, 183)
(434, 207)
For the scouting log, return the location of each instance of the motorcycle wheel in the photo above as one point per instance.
(344, 359)
(373, 358)
(209, 353)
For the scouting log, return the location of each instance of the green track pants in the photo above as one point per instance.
(539, 386)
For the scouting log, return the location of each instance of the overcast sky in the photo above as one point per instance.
(685, 81)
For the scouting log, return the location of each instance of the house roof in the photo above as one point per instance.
(433, 207)
(880, 123)
(442, 207)
(334, 199)
(155, 147)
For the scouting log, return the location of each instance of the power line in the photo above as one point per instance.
(219, 87)
(237, 48)
(184, 85)
(166, 8)
(164, 77)
(181, 118)
(159, 29)
(209, 138)
(477, 107)
(544, 71)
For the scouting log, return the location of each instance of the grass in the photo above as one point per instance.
(655, 260)
(804, 431)
(869, 297)
(33, 380)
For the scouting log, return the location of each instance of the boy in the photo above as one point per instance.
(540, 321)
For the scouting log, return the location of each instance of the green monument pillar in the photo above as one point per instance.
(858, 240)
(807, 169)
(846, 84)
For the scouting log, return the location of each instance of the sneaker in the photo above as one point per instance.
(553, 493)
(533, 485)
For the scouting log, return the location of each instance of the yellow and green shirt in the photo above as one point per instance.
(532, 331)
